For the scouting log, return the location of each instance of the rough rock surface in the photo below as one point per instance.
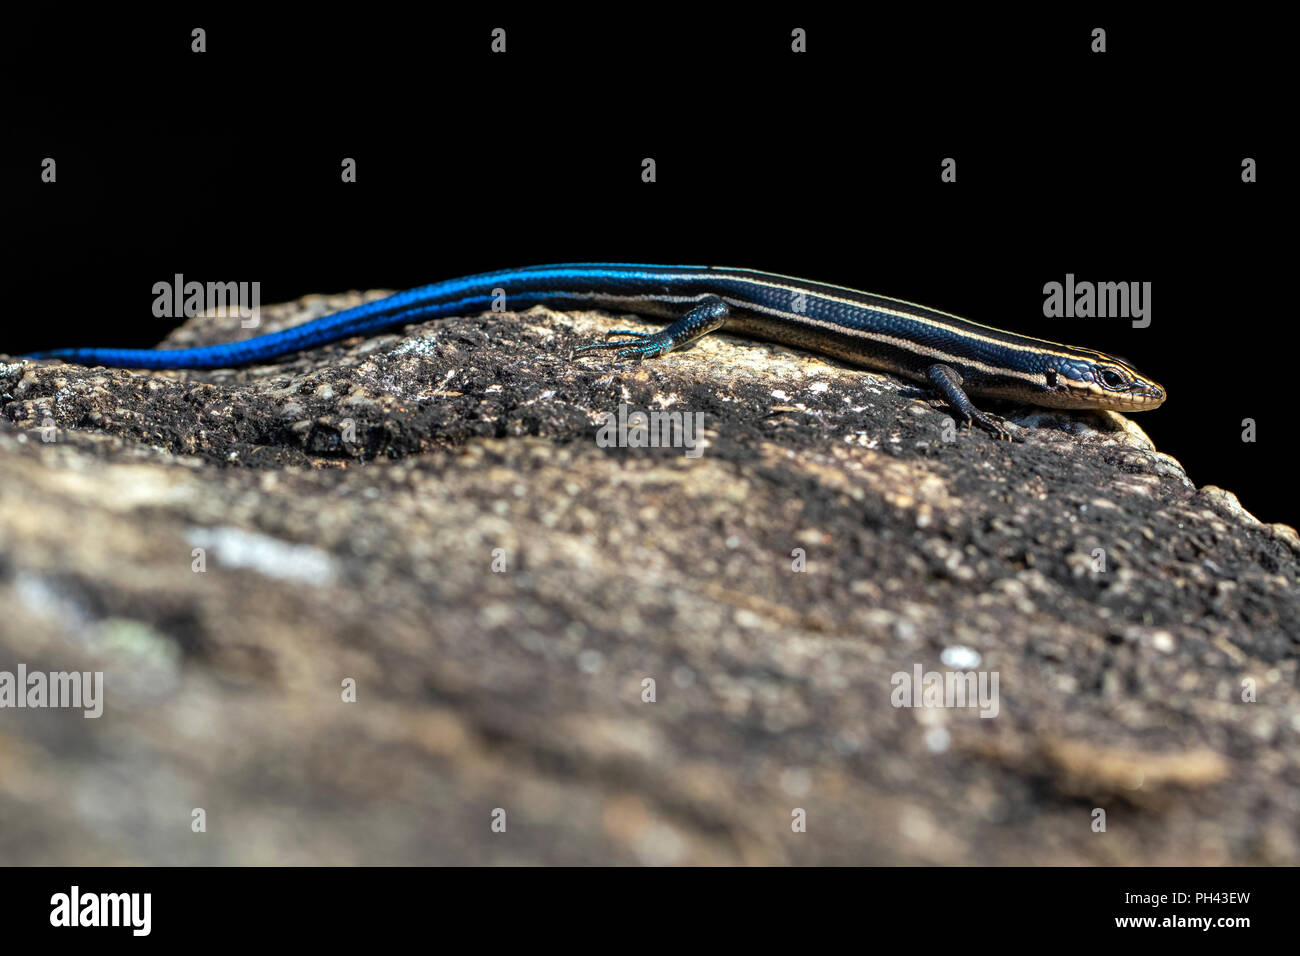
(348, 506)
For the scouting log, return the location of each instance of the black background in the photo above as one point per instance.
(1123, 166)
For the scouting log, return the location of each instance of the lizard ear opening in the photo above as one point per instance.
(1050, 374)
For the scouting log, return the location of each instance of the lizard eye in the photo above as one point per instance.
(1113, 379)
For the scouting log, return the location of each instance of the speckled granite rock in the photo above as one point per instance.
(348, 508)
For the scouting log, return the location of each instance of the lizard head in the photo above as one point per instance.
(1098, 380)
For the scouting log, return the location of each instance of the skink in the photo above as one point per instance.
(956, 357)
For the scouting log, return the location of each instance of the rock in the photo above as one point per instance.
(612, 644)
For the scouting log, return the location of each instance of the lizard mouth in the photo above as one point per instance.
(1141, 397)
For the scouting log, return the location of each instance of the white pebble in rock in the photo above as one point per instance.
(960, 658)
